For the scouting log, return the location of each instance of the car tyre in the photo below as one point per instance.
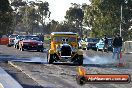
(97, 49)
(38, 50)
(50, 58)
(17, 46)
(80, 60)
(14, 46)
(87, 48)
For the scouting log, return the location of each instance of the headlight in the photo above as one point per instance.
(39, 44)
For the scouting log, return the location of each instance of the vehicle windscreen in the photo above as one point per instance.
(31, 38)
(60, 39)
(12, 36)
(20, 37)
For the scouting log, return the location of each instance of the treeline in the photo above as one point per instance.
(94, 20)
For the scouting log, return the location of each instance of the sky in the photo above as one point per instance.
(58, 8)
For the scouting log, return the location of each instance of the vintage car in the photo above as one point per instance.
(31, 42)
(64, 48)
(100, 45)
(11, 40)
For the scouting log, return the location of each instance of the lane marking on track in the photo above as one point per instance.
(1, 86)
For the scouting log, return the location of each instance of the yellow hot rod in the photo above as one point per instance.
(64, 48)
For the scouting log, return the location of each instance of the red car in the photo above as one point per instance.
(31, 43)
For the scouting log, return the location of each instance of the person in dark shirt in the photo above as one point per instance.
(105, 43)
(117, 46)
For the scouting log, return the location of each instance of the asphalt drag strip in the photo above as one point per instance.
(22, 78)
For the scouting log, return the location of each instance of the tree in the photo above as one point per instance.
(104, 16)
(43, 11)
(5, 17)
(75, 16)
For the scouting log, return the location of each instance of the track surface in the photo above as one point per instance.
(61, 75)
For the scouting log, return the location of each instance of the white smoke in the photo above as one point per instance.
(99, 60)
(38, 59)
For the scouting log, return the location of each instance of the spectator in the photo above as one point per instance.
(41, 37)
(105, 43)
(117, 46)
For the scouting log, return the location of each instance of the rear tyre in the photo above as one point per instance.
(8, 45)
(14, 46)
(17, 46)
(97, 49)
(87, 48)
(38, 50)
(50, 58)
(80, 60)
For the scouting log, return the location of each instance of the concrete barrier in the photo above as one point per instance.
(4, 41)
(7, 81)
(1, 86)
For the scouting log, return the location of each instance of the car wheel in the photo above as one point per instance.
(87, 48)
(8, 45)
(17, 46)
(80, 60)
(38, 50)
(14, 46)
(41, 50)
(97, 49)
(50, 58)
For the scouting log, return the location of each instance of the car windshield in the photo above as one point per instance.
(60, 39)
(12, 36)
(31, 38)
(20, 37)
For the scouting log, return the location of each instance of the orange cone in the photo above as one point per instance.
(121, 61)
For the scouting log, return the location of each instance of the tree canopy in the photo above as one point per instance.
(104, 16)
(5, 17)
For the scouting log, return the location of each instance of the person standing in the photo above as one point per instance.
(105, 43)
(117, 46)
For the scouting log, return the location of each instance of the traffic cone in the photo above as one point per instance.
(121, 61)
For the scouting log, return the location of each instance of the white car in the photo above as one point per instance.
(11, 40)
(17, 39)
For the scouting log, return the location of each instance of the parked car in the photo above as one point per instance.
(83, 44)
(100, 44)
(64, 48)
(91, 43)
(31, 43)
(17, 39)
(11, 40)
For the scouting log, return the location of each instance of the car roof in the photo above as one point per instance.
(71, 33)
